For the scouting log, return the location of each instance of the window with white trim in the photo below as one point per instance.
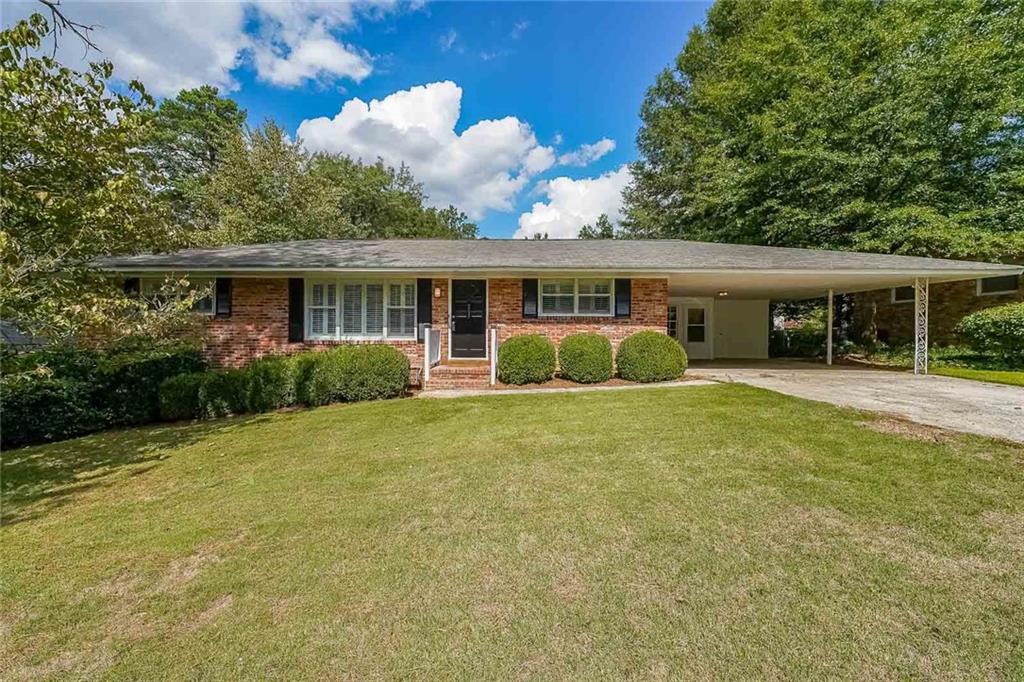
(340, 309)
(157, 291)
(585, 297)
(1007, 284)
(903, 294)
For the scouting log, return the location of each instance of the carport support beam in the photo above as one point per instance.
(828, 335)
(920, 326)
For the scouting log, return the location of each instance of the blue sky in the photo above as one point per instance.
(555, 75)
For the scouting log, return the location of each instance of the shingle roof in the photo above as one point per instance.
(533, 255)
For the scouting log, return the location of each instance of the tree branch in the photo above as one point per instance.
(62, 23)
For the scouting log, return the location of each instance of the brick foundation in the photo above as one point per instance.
(876, 316)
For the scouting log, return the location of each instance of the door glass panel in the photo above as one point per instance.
(695, 327)
(694, 316)
(673, 321)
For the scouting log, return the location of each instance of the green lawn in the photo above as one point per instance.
(709, 532)
(998, 377)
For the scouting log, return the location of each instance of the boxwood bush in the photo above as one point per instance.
(179, 396)
(271, 384)
(350, 373)
(223, 393)
(65, 391)
(585, 358)
(650, 356)
(998, 331)
(526, 359)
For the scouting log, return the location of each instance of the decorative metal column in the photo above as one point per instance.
(920, 326)
(828, 337)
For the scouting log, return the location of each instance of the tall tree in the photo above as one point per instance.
(602, 229)
(881, 126)
(74, 186)
(188, 135)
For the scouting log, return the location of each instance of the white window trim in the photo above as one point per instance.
(893, 299)
(979, 292)
(159, 281)
(340, 283)
(575, 297)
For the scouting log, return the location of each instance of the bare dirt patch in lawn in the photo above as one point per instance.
(907, 429)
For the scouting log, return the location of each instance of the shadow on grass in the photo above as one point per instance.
(38, 479)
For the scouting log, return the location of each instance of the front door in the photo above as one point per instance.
(468, 318)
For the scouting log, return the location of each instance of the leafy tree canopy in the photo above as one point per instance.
(879, 126)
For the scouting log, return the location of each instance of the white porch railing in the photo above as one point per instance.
(431, 350)
(494, 355)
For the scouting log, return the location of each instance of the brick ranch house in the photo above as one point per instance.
(449, 305)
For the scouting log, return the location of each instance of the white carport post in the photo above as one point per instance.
(828, 336)
(920, 325)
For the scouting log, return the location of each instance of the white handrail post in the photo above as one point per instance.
(494, 355)
(828, 342)
(426, 354)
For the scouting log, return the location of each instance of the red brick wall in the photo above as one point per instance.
(648, 311)
(258, 326)
(877, 316)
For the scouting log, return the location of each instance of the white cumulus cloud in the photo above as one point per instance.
(587, 153)
(571, 204)
(480, 169)
(174, 44)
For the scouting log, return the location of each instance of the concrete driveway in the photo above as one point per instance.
(958, 404)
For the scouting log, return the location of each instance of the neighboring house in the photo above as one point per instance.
(456, 301)
(10, 335)
(883, 314)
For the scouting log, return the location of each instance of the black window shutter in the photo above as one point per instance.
(132, 286)
(424, 305)
(623, 295)
(529, 298)
(296, 309)
(222, 297)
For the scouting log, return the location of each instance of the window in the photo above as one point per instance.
(998, 285)
(903, 294)
(695, 325)
(586, 297)
(673, 322)
(152, 290)
(372, 309)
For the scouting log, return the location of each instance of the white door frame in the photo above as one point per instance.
(708, 304)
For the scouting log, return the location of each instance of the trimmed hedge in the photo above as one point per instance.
(351, 373)
(585, 358)
(179, 396)
(526, 359)
(61, 391)
(223, 393)
(650, 356)
(998, 331)
(271, 384)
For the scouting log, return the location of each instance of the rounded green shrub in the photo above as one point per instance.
(222, 393)
(527, 359)
(650, 356)
(270, 385)
(318, 377)
(179, 396)
(585, 358)
(372, 372)
(37, 408)
(998, 331)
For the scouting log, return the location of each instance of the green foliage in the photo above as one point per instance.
(271, 384)
(877, 126)
(350, 373)
(602, 229)
(75, 186)
(585, 358)
(267, 187)
(650, 356)
(998, 330)
(179, 396)
(805, 340)
(526, 359)
(61, 392)
(223, 393)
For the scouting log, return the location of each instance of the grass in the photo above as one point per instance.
(994, 376)
(714, 531)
